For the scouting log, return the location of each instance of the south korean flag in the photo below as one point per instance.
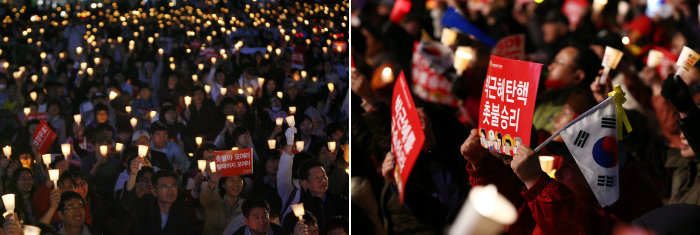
(592, 142)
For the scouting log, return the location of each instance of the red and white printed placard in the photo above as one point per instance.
(43, 138)
(234, 162)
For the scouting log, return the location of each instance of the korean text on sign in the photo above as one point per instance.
(507, 104)
(234, 162)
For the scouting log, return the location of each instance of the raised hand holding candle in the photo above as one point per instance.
(47, 159)
(331, 87)
(292, 110)
(610, 60)
(142, 152)
(65, 149)
(53, 176)
(9, 201)
(298, 210)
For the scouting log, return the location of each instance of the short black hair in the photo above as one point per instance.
(254, 202)
(222, 181)
(587, 61)
(67, 196)
(100, 107)
(306, 167)
(73, 176)
(158, 126)
(161, 174)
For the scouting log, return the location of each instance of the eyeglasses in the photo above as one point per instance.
(320, 178)
(74, 207)
(167, 188)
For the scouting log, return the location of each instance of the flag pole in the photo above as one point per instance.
(605, 102)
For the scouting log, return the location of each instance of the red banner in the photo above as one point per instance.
(234, 162)
(430, 60)
(407, 135)
(43, 138)
(507, 104)
(511, 47)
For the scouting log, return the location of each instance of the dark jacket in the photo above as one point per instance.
(276, 230)
(147, 213)
(325, 209)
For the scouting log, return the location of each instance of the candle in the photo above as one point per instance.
(153, 114)
(279, 121)
(198, 140)
(33, 95)
(387, 75)
(292, 109)
(212, 166)
(234, 148)
(150, 40)
(113, 95)
(331, 146)
(35, 78)
(31, 230)
(47, 159)
(202, 164)
(298, 210)
(598, 5)
(200, 66)
(280, 94)
(160, 51)
(26, 111)
(463, 57)
(484, 212)
(448, 37)
(250, 100)
(104, 150)
(83, 65)
(547, 164)
(207, 88)
(42, 55)
(194, 77)
(278, 51)
(654, 58)
(78, 50)
(290, 120)
(188, 101)
(53, 175)
(213, 60)
(133, 122)
(686, 60)
(65, 149)
(7, 150)
(223, 91)
(300, 145)
(118, 146)
(97, 60)
(272, 143)
(331, 87)
(610, 60)
(45, 70)
(249, 90)
(230, 118)
(77, 118)
(9, 201)
(128, 109)
(172, 66)
(303, 73)
(142, 152)
(261, 81)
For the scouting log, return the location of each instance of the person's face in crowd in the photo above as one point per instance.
(54, 110)
(244, 139)
(229, 109)
(124, 135)
(677, 43)
(562, 68)
(686, 151)
(102, 116)
(144, 93)
(73, 214)
(144, 183)
(241, 109)
(271, 166)
(160, 139)
(276, 105)
(25, 182)
(551, 31)
(233, 185)
(26, 160)
(258, 220)
(306, 126)
(166, 190)
(317, 183)
(198, 97)
(172, 81)
(171, 117)
(325, 156)
(78, 130)
(292, 91)
(270, 87)
(208, 155)
(566, 115)
(142, 140)
(220, 77)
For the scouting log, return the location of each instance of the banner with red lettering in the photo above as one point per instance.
(43, 137)
(407, 135)
(430, 60)
(511, 47)
(234, 162)
(507, 104)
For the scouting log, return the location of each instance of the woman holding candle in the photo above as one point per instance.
(22, 185)
(222, 201)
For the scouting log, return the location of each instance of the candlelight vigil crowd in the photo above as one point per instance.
(597, 131)
(174, 117)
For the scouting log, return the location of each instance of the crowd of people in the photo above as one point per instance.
(658, 181)
(181, 80)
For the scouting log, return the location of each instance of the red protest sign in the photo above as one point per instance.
(234, 162)
(511, 47)
(507, 104)
(407, 135)
(574, 11)
(43, 137)
(38, 116)
(401, 8)
(430, 60)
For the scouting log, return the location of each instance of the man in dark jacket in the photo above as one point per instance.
(163, 212)
(256, 215)
(315, 196)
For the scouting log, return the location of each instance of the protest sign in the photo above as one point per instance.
(234, 162)
(407, 135)
(511, 47)
(43, 137)
(38, 116)
(507, 104)
(430, 60)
